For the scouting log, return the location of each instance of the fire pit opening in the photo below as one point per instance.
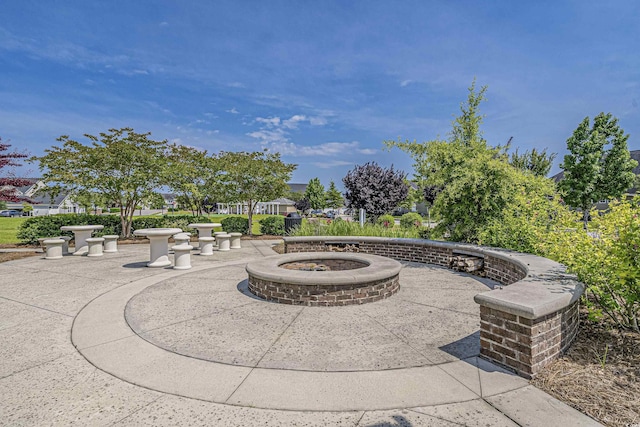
(324, 265)
(327, 279)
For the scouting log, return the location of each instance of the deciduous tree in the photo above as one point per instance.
(10, 182)
(250, 178)
(120, 165)
(537, 162)
(375, 189)
(599, 165)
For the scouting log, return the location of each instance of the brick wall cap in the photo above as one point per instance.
(545, 289)
(378, 268)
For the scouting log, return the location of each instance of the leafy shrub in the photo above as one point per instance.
(425, 233)
(37, 227)
(273, 225)
(235, 224)
(411, 220)
(114, 210)
(386, 220)
(607, 261)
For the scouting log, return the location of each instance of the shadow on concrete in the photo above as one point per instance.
(142, 264)
(398, 421)
(243, 287)
(464, 348)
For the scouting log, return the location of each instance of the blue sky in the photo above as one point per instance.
(322, 82)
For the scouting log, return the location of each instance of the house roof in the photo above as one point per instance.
(283, 201)
(298, 188)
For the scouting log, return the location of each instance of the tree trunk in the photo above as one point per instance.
(250, 215)
(585, 217)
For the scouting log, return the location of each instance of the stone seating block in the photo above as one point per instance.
(110, 243)
(53, 248)
(235, 240)
(95, 246)
(206, 245)
(182, 257)
(224, 243)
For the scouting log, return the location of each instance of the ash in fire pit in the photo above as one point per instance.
(324, 265)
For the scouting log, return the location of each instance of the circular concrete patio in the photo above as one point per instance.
(194, 347)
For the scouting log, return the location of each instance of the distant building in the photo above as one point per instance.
(43, 201)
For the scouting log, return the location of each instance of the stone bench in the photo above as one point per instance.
(95, 246)
(53, 248)
(524, 324)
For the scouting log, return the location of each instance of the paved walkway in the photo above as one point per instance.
(108, 341)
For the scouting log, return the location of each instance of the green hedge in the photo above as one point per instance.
(386, 220)
(411, 220)
(49, 226)
(273, 225)
(235, 224)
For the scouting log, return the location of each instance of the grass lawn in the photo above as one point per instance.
(9, 228)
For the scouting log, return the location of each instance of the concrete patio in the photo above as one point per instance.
(108, 341)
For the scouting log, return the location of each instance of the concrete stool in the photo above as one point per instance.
(53, 248)
(110, 243)
(216, 234)
(182, 238)
(95, 246)
(182, 258)
(235, 240)
(223, 242)
(65, 245)
(206, 245)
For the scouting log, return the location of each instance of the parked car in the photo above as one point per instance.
(331, 214)
(10, 213)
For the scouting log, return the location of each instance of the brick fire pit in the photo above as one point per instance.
(333, 279)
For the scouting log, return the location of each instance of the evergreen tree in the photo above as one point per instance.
(315, 194)
(599, 165)
(333, 196)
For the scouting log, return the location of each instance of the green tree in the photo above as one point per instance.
(315, 194)
(8, 183)
(470, 183)
(599, 165)
(537, 162)
(333, 196)
(122, 166)
(250, 178)
(194, 176)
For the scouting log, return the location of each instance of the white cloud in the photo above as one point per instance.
(318, 121)
(327, 149)
(269, 136)
(236, 85)
(405, 83)
(233, 111)
(270, 122)
(292, 123)
(164, 24)
(332, 164)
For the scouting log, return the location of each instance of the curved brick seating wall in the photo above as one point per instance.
(524, 325)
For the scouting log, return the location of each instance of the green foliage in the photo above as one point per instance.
(3, 205)
(537, 162)
(121, 167)
(235, 224)
(253, 177)
(49, 226)
(470, 183)
(411, 220)
(591, 171)
(315, 194)
(333, 196)
(386, 221)
(534, 213)
(607, 261)
(26, 207)
(273, 225)
(37, 227)
(348, 228)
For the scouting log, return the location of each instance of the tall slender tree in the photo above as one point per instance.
(333, 196)
(315, 194)
(598, 166)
